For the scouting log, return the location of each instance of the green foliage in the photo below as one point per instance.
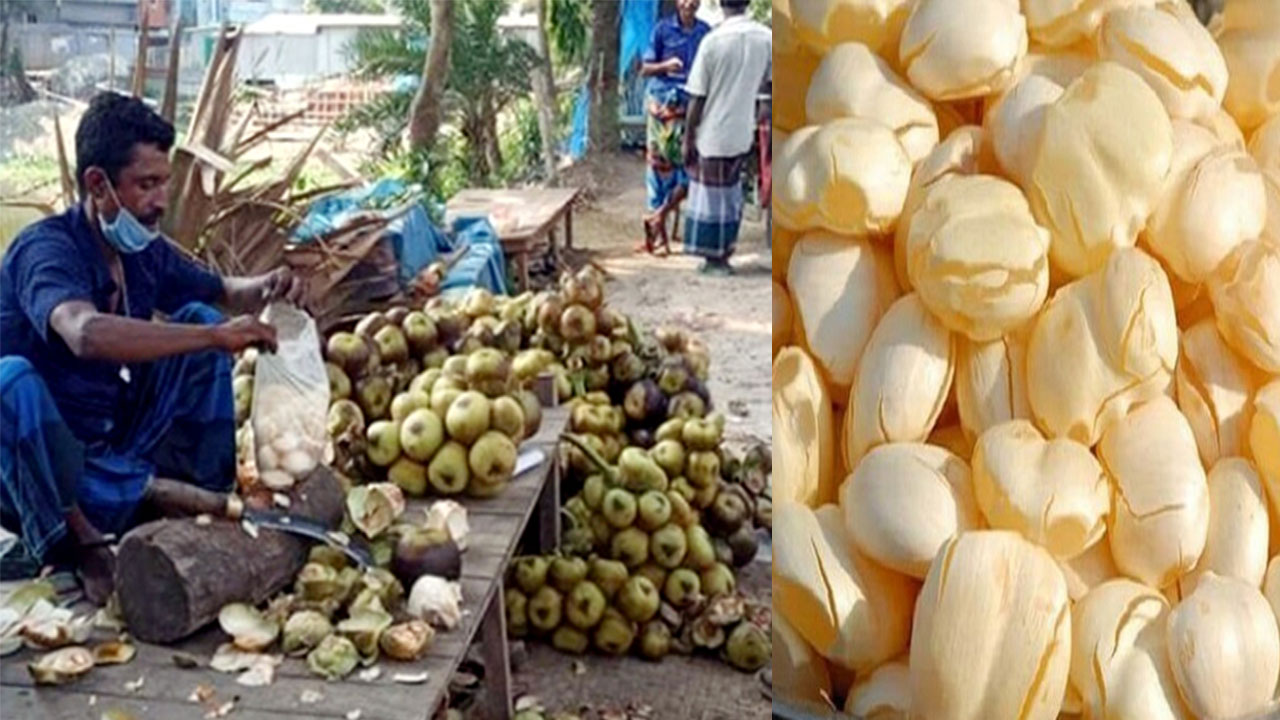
(345, 6)
(569, 31)
(488, 71)
(762, 11)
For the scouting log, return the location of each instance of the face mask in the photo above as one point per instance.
(126, 233)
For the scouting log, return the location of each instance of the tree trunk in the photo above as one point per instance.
(492, 148)
(473, 133)
(544, 94)
(605, 136)
(174, 575)
(425, 112)
(170, 107)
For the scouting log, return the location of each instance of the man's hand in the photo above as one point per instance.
(689, 150)
(245, 331)
(673, 65)
(283, 284)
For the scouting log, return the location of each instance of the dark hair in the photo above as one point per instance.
(735, 4)
(109, 129)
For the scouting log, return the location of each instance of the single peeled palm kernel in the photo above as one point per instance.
(991, 382)
(1213, 201)
(977, 257)
(823, 24)
(1245, 291)
(1119, 658)
(1099, 166)
(851, 81)
(1264, 441)
(890, 494)
(1016, 124)
(950, 60)
(885, 694)
(1160, 508)
(992, 631)
(800, 674)
(1102, 344)
(1058, 23)
(1252, 52)
(1214, 387)
(1238, 528)
(1172, 51)
(782, 318)
(854, 612)
(848, 176)
(840, 288)
(1052, 492)
(804, 439)
(1088, 570)
(903, 380)
(966, 151)
(1224, 647)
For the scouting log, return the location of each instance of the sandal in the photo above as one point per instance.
(716, 269)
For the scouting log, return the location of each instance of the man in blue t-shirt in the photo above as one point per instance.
(106, 409)
(666, 63)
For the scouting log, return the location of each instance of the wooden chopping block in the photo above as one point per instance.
(174, 575)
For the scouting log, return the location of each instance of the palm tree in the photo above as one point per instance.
(486, 72)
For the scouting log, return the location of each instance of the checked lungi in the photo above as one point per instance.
(713, 213)
(180, 424)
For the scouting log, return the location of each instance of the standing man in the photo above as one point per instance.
(106, 409)
(734, 62)
(666, 63)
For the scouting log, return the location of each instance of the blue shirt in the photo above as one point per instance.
(59, 259)
(672, 39)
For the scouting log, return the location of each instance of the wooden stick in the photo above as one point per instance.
(139, 88)
(64, 170)
(170, 106)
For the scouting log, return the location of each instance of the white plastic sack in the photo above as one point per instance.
(290, 400)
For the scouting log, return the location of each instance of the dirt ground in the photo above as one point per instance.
(732, 314)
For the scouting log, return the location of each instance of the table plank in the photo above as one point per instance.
(534, 210)
(497, 526)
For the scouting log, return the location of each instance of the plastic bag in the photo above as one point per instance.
(290, 401)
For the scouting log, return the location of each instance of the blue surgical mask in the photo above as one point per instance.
(126, 233)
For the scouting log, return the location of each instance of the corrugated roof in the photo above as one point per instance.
(310, 24)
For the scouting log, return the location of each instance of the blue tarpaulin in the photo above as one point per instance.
(415, 240)
(638, 20)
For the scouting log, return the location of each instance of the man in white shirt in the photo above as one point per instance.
(732, 65)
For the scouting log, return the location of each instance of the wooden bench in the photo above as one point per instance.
(497, 526)
(525, 220)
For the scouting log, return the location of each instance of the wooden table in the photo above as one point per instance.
(497, 525)
(525, 220)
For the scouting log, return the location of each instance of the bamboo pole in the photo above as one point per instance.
(139, 88)
(170, 107)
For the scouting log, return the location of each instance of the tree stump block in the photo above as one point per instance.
(174, 575)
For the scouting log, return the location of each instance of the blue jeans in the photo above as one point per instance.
(179, 423)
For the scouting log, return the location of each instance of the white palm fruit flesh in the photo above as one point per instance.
(991, 382)
(1100, 164)
(1052, 492)
(848, 176)
(840, 287)
(853, 611)
(1160, 508)
(1224, 647)
(853, 82)
(992, 631)
(1236, 545)
(1119, 658)
(1214, 391)
(950, 60)
(904, 500)
(977, 257)
(804, 439)
(903, 379)
(1102, 344)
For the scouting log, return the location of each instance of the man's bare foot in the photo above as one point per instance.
(97, 570)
